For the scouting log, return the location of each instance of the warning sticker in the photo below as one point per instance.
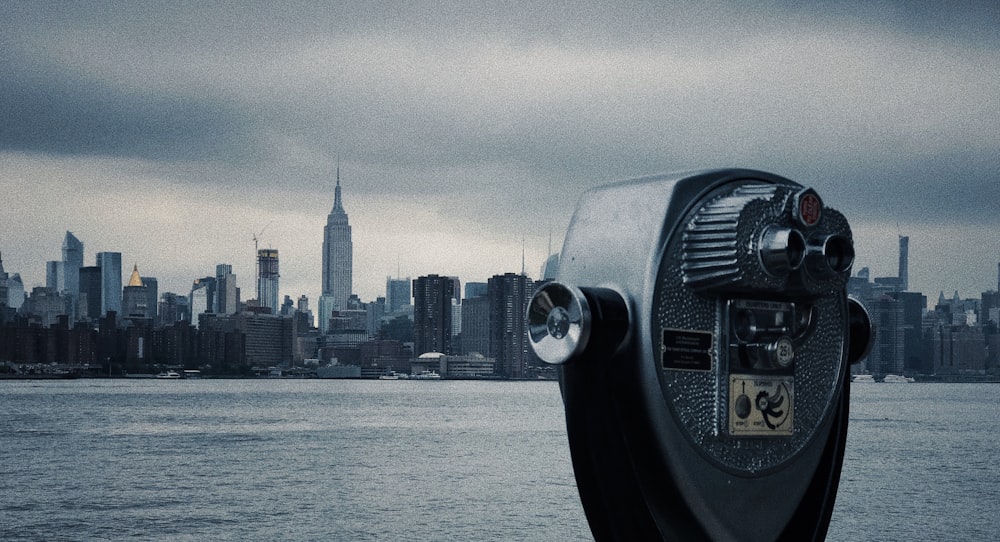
(761, 406)
(683, 349)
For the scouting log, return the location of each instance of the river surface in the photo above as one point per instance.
(417, 460)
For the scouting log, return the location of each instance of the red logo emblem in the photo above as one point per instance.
(810, 209)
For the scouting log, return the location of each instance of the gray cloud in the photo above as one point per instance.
(501, 114)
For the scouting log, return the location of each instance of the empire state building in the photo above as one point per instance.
(337, 260)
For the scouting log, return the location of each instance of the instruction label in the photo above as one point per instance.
(761, 406)
(686, 350)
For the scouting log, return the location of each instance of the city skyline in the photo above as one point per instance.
(902, 256)
(467, 134)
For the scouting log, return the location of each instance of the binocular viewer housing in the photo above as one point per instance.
(703, 335)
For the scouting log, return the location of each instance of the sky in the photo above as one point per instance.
(465, 133)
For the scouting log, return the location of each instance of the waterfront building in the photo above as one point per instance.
(138, 337)
(475, 335)
(267, 279)
(508, 296)
(220, 345)
(474, 365)
(111, 281)
(338, 252)
(460, 367)
(270, 339)
(174, 343)
(958, 350)
(384, 356)
(135, 298)
(887, 355)
(432, 314)
(915, 358)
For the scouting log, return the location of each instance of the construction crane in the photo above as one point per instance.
(256, 239)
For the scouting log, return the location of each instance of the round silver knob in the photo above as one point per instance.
(559, 322)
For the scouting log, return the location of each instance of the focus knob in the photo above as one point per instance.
(566, 322)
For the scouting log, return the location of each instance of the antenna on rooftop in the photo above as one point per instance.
(522, 256)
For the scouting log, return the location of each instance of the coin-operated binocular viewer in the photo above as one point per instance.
(703, 336)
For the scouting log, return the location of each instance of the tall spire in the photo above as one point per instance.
(135, 279)
(337, 203)
(522, 256)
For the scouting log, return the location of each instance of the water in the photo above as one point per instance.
(405, 460)
(921, 464)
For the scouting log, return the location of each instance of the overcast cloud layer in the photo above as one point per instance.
(174, 133)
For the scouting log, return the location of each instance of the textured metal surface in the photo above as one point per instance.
(714, 260)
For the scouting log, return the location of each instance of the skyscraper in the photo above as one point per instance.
(267, 279)
(90, 292)
(904, 263)
(337, 257)
(111, 281)
(432, 314)
(508, 302)
(55, 276)
(72, 257)
(201, 298)
(3, 285)
(397, 293)
(227, 299)
(476, 289)
(152, 296)
(135, 297)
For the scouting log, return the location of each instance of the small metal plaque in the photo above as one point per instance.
(761, 405)
(686, 350)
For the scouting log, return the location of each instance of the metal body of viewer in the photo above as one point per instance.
(703, 335)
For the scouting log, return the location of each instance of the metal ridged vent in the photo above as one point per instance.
(715, 244)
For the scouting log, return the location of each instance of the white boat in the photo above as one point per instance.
(169, 374)
(862, 379)
(391, 375)
(426, 375)
(896, 379)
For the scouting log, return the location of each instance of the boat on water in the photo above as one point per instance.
(426, 375)
(896, 379)
(169, 375)
(862, 379)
